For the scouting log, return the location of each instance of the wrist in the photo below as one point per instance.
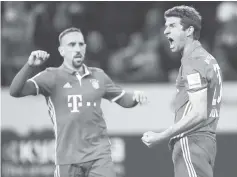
(166, 134)
(29, 68)
(28, 65)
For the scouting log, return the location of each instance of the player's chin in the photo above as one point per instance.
(77, 63)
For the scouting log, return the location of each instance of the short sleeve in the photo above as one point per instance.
(195, 76)
(113, 92)
(43, 82)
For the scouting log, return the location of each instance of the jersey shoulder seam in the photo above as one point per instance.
(96, 69)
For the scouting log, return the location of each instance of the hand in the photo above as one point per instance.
(140, 97)
(37, 58)
(151, 138)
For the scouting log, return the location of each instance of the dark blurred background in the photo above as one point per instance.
(126, 40)
(123, 38)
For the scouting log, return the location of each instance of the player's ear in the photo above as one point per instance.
(61, 50)
(190, 31)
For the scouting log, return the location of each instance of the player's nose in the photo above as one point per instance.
(166, 31)
(77, 48)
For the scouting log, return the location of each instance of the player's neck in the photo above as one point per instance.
(80, 69)
(187, 45)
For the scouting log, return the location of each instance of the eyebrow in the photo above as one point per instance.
(76, 42)
(71, 43)
(169, 24)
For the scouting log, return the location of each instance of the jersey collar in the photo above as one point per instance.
(86, 69)
(194, 45)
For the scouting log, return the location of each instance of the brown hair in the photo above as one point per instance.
(189, 17)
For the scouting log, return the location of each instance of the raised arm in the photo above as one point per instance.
(20, 85)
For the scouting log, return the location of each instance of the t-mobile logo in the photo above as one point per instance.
(74, 102)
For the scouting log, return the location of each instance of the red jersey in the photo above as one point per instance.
(74, 106)
(199, 70)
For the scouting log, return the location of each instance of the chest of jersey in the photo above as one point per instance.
(74, 93)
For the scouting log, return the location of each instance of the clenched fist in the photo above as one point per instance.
(37, 58)
(151, 138)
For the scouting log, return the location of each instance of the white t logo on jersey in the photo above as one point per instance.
(74, 102)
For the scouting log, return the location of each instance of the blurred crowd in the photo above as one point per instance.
(123, 38)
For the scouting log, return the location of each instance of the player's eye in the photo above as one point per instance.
(81, 44)
(172, 25)
(72, 44)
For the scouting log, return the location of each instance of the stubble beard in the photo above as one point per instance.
(77, 64)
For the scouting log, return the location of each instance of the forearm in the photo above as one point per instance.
(127, 100)
(20, 79)
(191, 120)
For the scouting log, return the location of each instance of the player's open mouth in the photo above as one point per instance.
(171, 42)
